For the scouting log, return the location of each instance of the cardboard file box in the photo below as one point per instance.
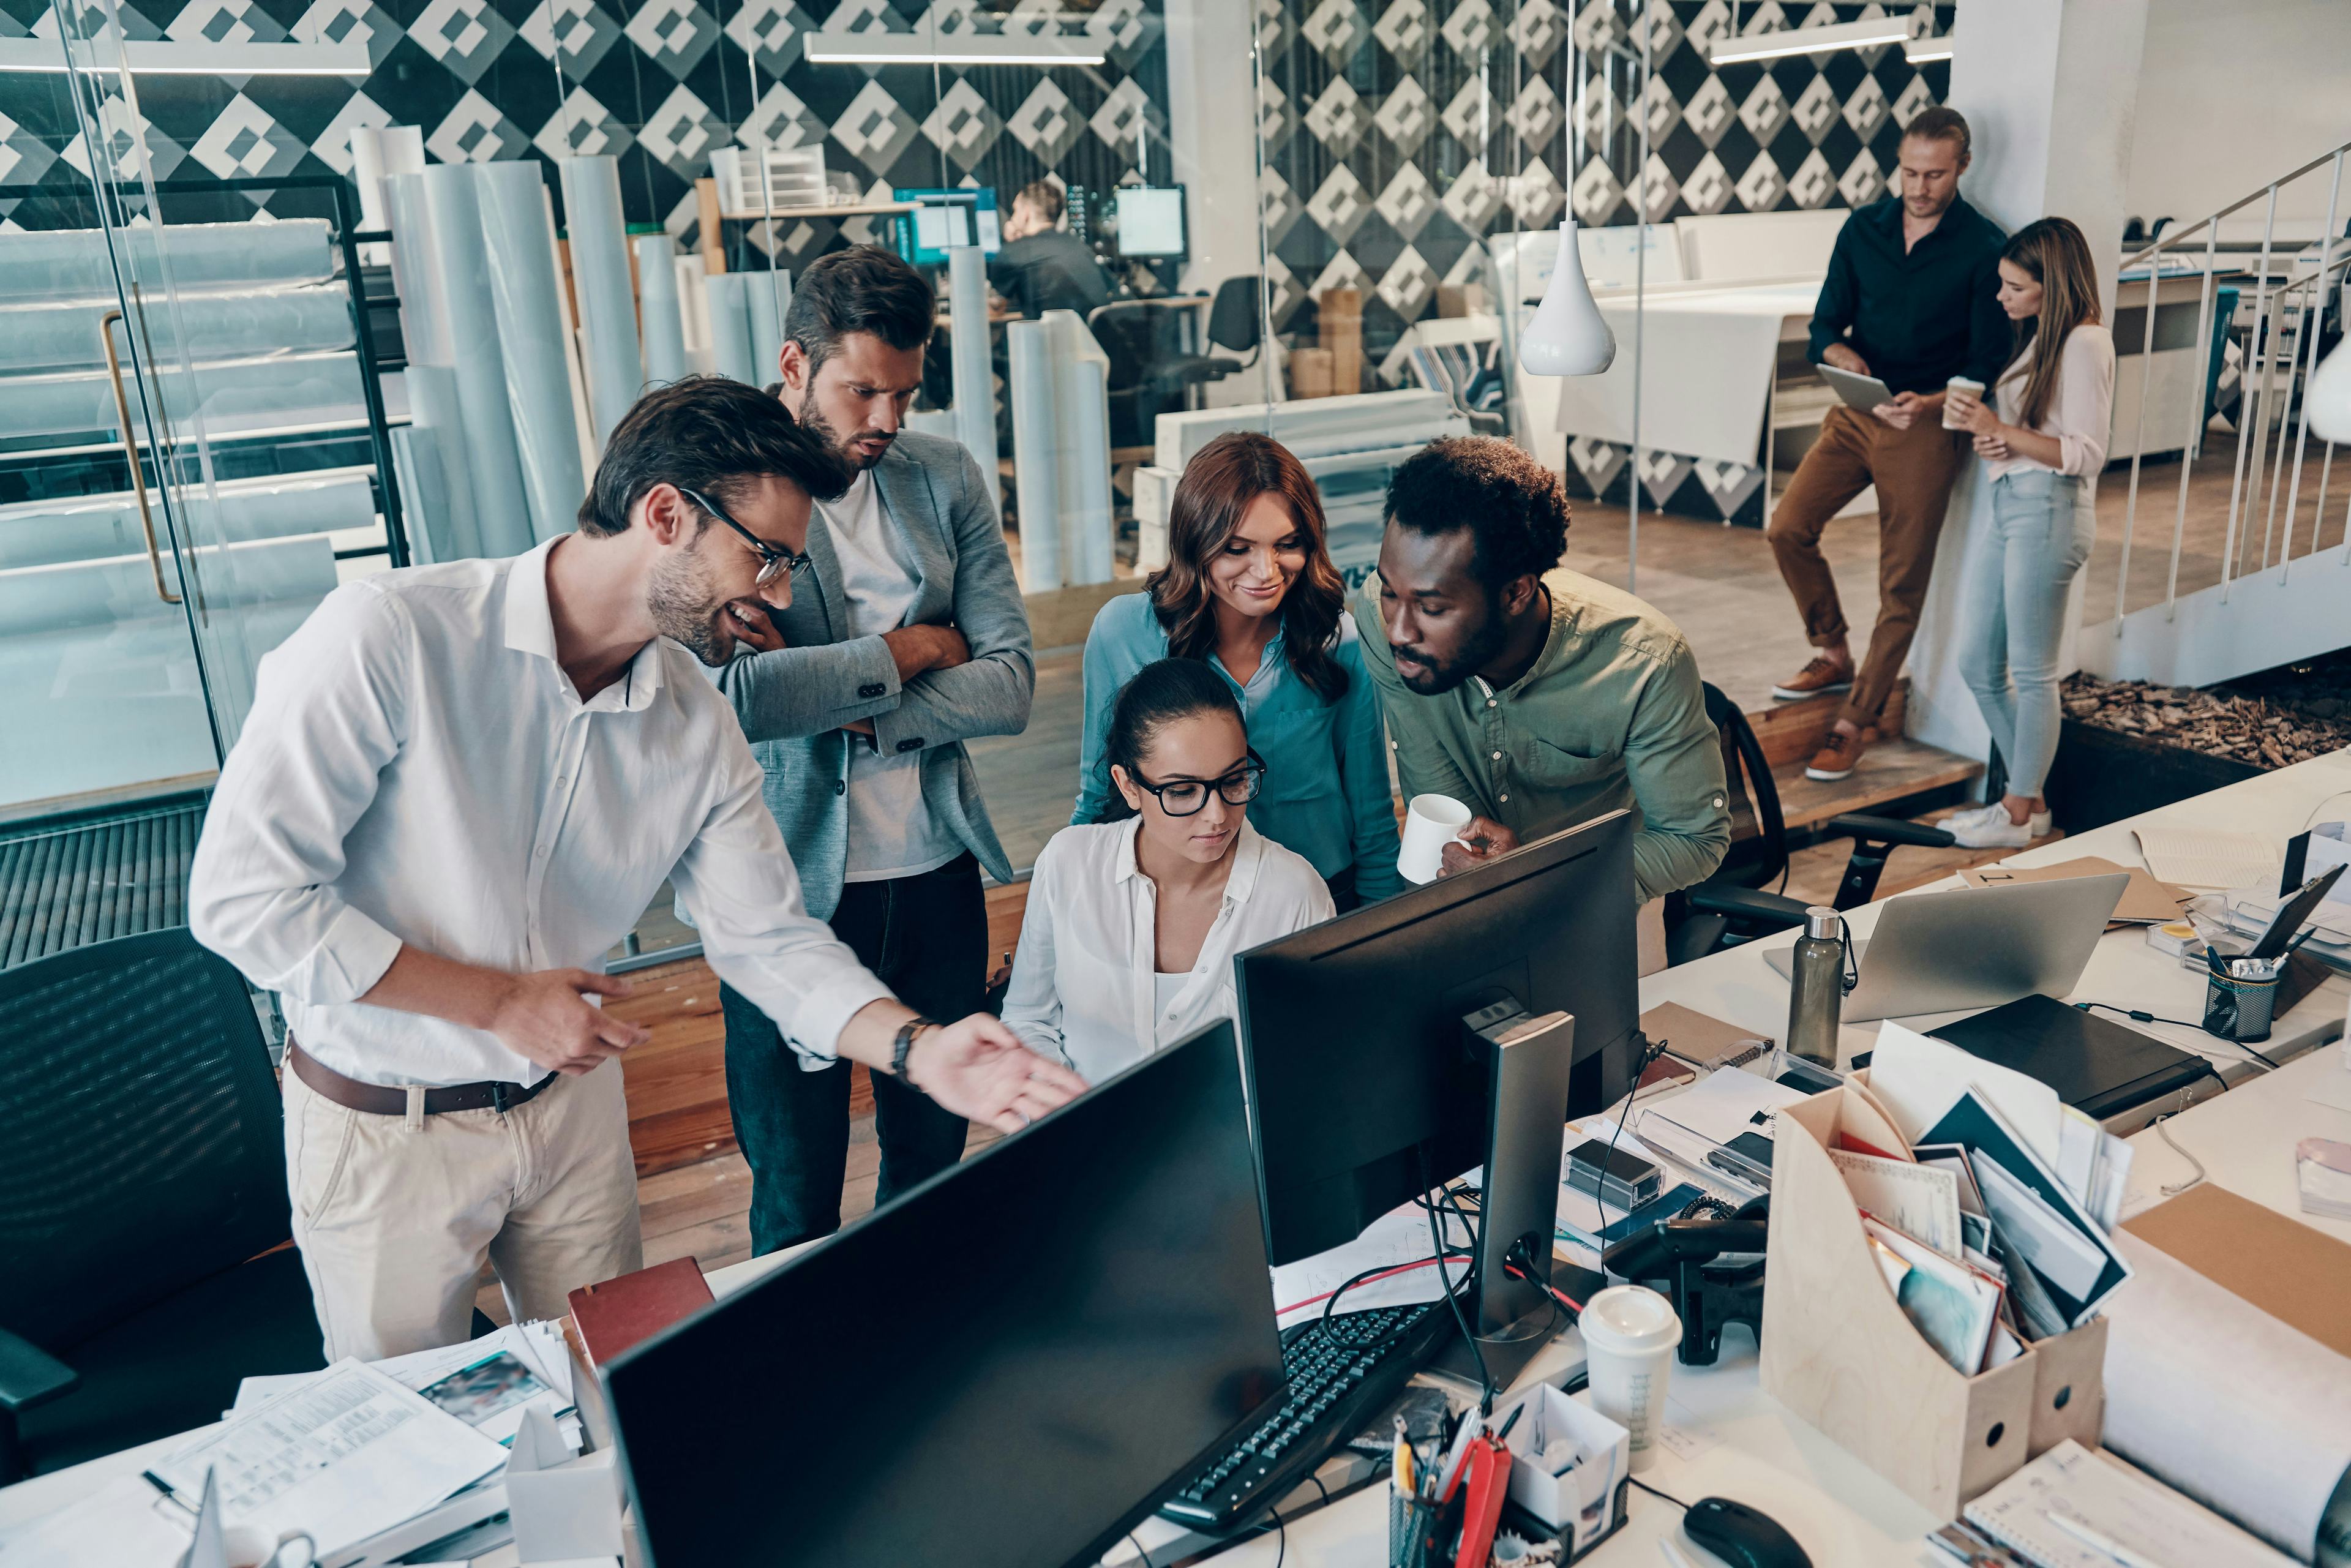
(1839, 1352)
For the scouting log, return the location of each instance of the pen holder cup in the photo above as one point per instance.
(2237, 1007)
(1414, 1532)
(1839, 1352)
(1419, 1529)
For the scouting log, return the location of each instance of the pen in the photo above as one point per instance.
(2092, 1538)
(1504, 1435)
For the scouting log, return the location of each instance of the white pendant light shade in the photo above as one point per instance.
(1568, 336)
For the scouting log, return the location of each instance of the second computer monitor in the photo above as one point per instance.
(1150, 220)
(1365, 1089)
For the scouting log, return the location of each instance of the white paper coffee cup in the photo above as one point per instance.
(1430, 822)
(1973, 389)
(1630, 1333)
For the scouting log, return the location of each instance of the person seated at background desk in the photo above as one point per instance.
(459, 786)
(1535, 696)
(1912, 279)
(1132, 922)
(1248, 589)
(907, 638)
(1043, 266)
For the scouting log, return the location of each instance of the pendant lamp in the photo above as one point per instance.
(1568, 336)
(2327, 399)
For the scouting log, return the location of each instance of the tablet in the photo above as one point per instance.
(1864, 393)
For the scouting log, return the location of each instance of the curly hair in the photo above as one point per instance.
(1217, 487)
(1512, 503)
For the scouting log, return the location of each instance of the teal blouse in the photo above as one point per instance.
(1325, 794)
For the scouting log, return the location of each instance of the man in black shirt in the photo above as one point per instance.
(1042, 265)
(1910, 299)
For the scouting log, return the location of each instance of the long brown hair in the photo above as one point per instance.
(2053, 251)
(1215, 490)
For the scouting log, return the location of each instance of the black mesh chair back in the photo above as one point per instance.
(1759, 835)
(1233, 315)
(141, 1140)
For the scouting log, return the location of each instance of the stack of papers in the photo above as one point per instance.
(1393, 1263)
(2208, 857)
(2072, 1509)
(486, 1382)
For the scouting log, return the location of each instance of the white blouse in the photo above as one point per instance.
(2081, 408)
(1085, 983)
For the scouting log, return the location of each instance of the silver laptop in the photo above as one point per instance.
(1975, 947)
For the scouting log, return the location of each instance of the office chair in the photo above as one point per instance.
(142, 1151)
(1731, 906)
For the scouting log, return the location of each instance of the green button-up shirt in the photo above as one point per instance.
(1610, 715)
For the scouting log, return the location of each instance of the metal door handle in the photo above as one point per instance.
(130, 451)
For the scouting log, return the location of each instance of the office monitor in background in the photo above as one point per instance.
(1150, 220)
(1012, 1365)
(945, 217)
(1367, 1086)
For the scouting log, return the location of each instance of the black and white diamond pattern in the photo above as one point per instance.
(1047, 122)
(780, 119)
(673, 33)
(224, 21)
(1340, 207)
(245, 143)
(1402, 29)
(1338, 119)
(683, 130)
(963, 126)
(361, 22)
(1469, 30)
(1408, 201)
(874, 129)
(576, 34)
(772, 32)
(582, 127)
(1405, 116)
(474, 131)
(465, 36)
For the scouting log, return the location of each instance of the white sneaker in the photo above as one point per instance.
(1991, 830)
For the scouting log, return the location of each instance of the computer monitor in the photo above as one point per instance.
(1150, 220)
(1012, 1365)
(944, 217)
(1366, 1090)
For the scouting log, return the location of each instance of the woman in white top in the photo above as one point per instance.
(2042, 443)
(1128, 943)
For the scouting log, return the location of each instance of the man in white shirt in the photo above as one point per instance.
(907, 638)
(459, 786)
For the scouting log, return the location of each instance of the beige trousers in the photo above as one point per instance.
(394, 1222)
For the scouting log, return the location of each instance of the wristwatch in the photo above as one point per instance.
(902, 1044)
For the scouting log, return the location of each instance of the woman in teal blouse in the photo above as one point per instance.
(1249, 590)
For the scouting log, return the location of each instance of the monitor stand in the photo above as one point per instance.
(1528, 1061)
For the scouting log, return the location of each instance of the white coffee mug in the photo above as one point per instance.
(1430, 822)
(1974, 389)
(249, 1546)
(1630, 1333)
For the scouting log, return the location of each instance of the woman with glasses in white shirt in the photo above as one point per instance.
(1132, 922)
(2042, 441)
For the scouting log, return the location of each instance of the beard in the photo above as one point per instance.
(812, 420)
(1480, 649)
(687, 611)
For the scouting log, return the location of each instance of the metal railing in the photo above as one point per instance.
(2264, 397)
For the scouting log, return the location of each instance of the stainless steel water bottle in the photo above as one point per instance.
(1817, 987)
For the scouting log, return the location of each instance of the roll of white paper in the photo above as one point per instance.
(527, 294)
(462, 267)
(75, 263)
(1430, 822)
(414, 269)
(92, 528)
(367, 173)
(974, 376)
(299, 318)
(768, 295)
(598, 230)
(1037, 443)
(664, 327)
(730, 326)
(415, 459)
(436, 406)
(693, 302)
(1086, 524)
(234, 395)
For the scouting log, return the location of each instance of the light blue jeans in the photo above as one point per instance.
(2014, 584)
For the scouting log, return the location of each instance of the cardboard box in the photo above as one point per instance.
(1579, 1505)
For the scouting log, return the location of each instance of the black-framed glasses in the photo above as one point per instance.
(773, 562)
(1187, 797)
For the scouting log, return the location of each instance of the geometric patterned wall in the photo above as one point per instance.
(1400, 133)
(658, 83)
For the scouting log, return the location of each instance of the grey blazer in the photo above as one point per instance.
(793, 701)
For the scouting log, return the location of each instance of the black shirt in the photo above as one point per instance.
(1922, 317)
(1048, 271)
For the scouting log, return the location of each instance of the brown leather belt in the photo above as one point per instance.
(376, 1100)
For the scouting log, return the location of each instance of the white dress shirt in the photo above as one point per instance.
(2081, 407)
(417, 768)
(1085, 983)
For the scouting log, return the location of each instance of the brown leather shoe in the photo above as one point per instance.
(1819, 676)
(1840, 756)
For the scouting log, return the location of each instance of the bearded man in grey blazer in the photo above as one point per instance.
(904, 637)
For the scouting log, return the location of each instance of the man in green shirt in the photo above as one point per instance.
(1533, 694)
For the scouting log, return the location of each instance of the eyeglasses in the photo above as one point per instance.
(1187, 797)
(773, 562)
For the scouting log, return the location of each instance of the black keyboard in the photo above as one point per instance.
(1338, 1384)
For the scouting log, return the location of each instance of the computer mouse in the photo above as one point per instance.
(1741, 1536)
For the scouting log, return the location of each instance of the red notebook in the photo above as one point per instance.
(614, 1315)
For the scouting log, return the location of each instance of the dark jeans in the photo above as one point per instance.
(924, 937)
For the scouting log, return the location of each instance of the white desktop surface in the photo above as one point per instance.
(1750, 1448)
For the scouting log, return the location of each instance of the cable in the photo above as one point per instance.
(1453, 1299)
(1655, 1492)
(2137, 1015)
(2174, 1190)
(1640, 1066)
(1141, 1555)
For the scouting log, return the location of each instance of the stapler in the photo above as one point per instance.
(1707, 1292)
(1484, 1483)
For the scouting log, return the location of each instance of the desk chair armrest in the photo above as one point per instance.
(30, 1375)
(1771, 910)
(1885, 830)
